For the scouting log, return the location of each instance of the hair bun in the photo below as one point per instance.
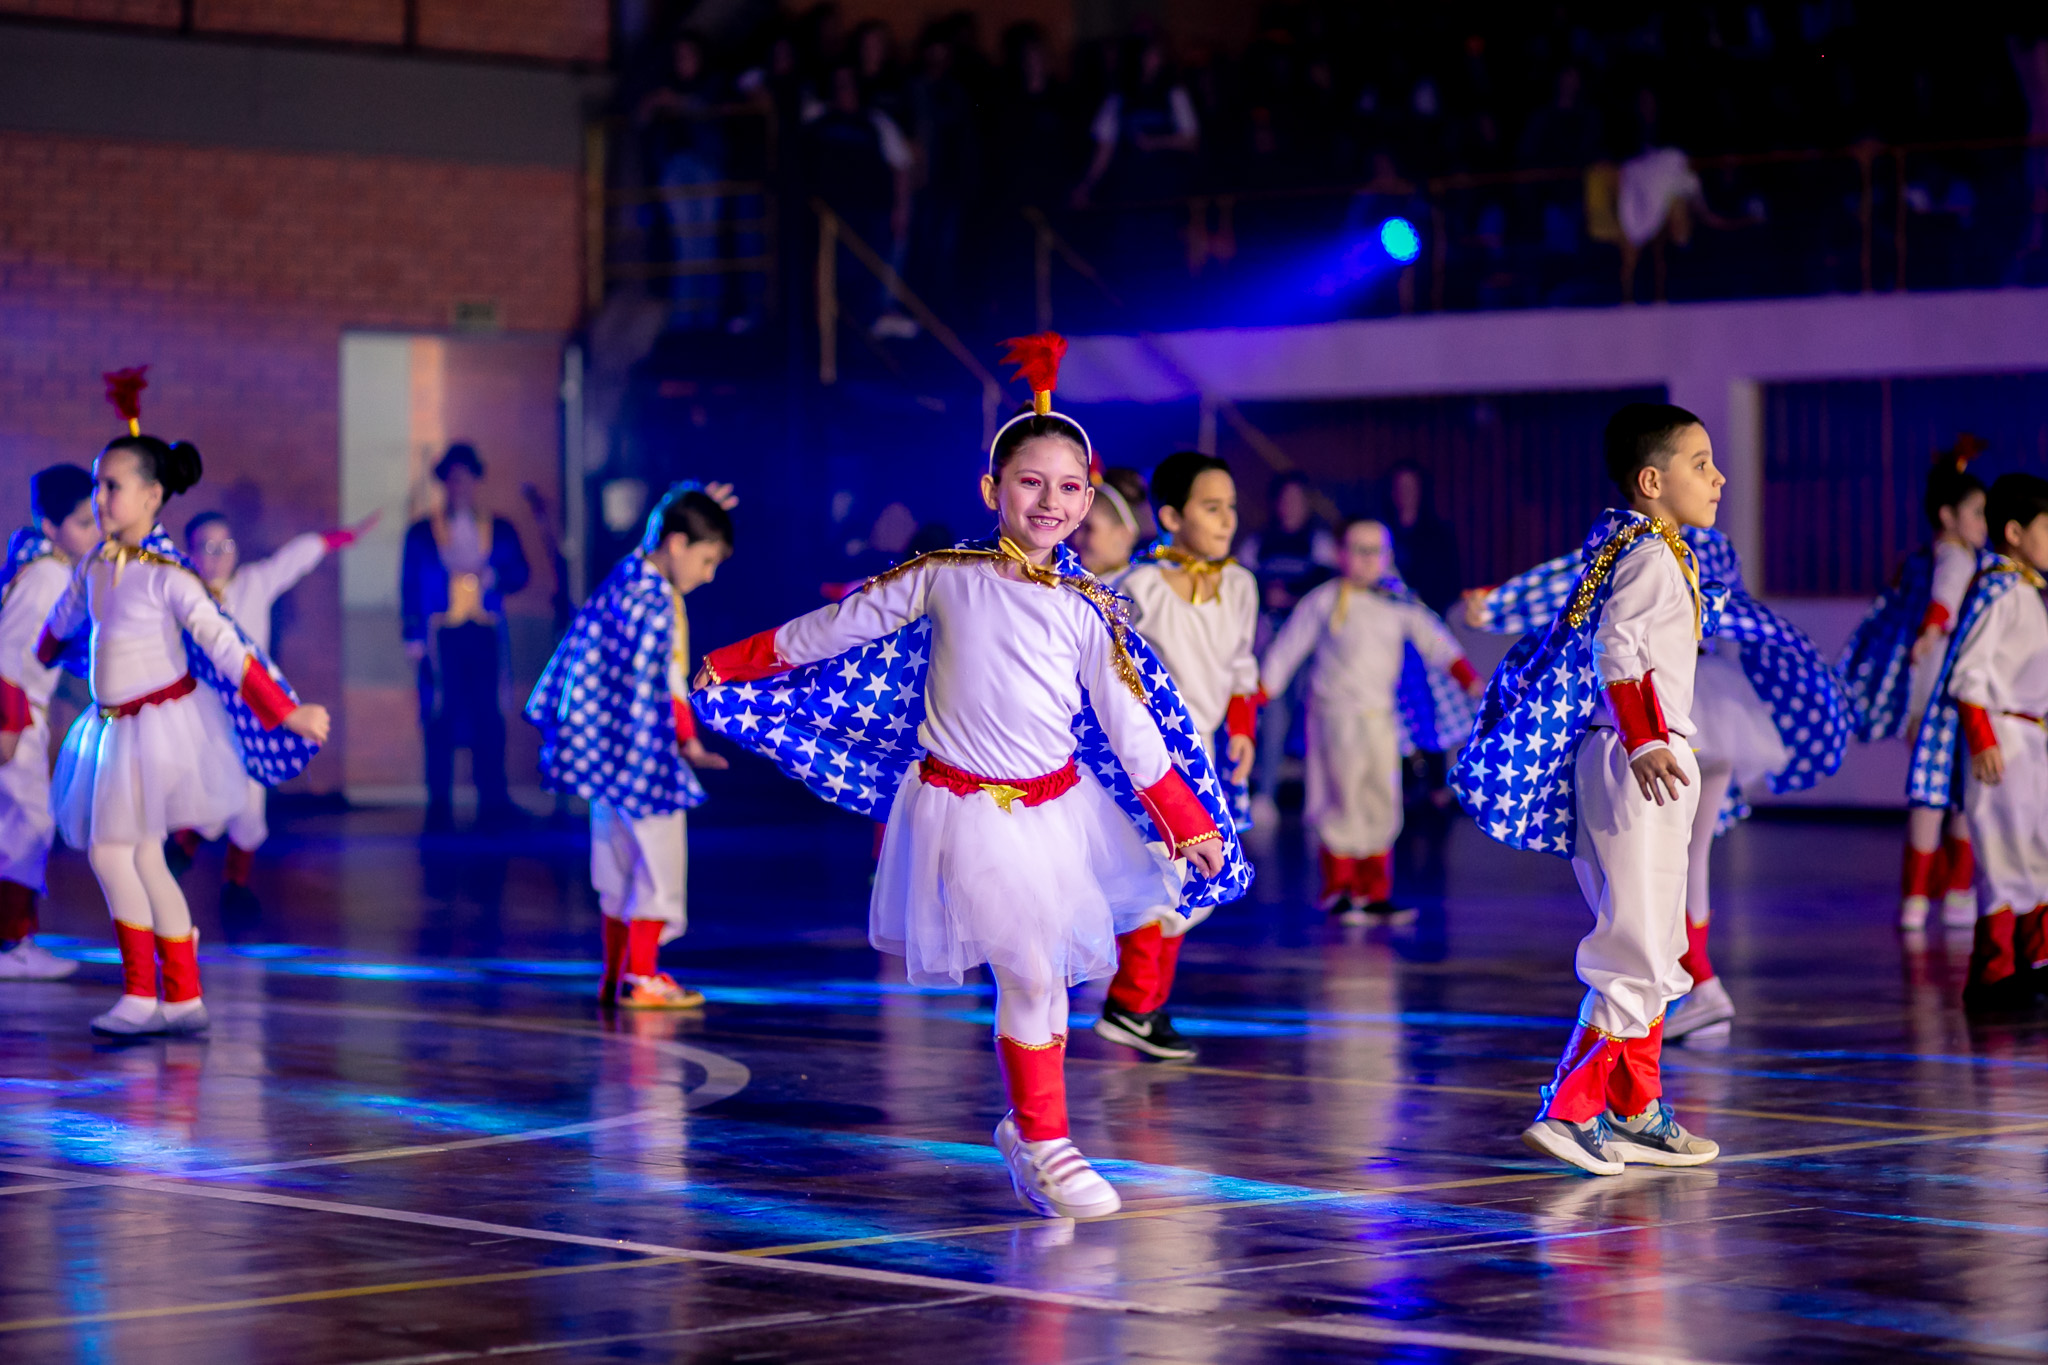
(182, 469)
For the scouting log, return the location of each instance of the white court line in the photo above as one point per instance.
(1344, 1329)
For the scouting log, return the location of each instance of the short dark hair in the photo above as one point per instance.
(1173, 482)
(173, 464)
(54, 493)
(1129, 482)
(1011, 438)
(201, 522)
(462, 454)
(2014, 498)
(1949, 480)
(686, 510)
(1639, 435)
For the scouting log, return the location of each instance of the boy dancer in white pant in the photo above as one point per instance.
(39, 564)
(1584, 749)
(628, 747)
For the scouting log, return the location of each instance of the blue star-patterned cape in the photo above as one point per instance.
(846, 727)
(24, 548)
(607, 728)
(1931, 779)
(1877, 662)
(1434, 710)
(1515, 776)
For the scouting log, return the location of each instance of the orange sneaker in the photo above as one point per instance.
(657, 992)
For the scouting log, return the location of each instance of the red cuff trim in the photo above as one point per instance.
(1462, 670)
(751, 658)
(265, 697)
(1177, 812)
(1977, 727)
(686, 720)
(49, 648)
(1937, 618)
(1636, 712)
(1242, 716)
(340, 538)
(15, 715)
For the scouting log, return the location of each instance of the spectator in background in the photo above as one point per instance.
(460, 563)
(686, 147)
(859, 163)
(1425, 546)
(1146, 132)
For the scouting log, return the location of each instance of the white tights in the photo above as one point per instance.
(1924, 827)
(139, 887)
(1029, 1011)
(1699, 853)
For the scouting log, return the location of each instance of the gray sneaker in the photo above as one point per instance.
(1656, 1138)
(1584, 1145)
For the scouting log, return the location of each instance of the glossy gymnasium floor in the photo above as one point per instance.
(412, 1138)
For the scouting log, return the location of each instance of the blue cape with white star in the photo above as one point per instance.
(1433, 709)
(1515, 776)
(1931, 779)
(1877, 663)
(607, 729)
(846, 727)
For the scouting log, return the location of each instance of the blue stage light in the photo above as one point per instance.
(1400, 239)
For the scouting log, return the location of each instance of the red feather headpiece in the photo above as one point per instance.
(1037, 359)
(1968, 447)
(124, 391)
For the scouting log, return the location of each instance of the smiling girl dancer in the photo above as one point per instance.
(158, 752)
(1042, 712)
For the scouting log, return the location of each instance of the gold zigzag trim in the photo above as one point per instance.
(1603, 564)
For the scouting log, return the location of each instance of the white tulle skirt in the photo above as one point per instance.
(1734, 726)
(1039, 891)
(174, 765)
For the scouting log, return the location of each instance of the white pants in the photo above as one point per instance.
(1353, 780)
(1631, 861)
(2009, 822)
(26, 824)
(250, 826)
(640, 868)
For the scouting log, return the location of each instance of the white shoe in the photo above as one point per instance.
(30, 961)
(1959, 909)
(132, 1016)
(1052, 1178)
(185, 1017)
(1913, 912)
(1656, 1138)
(1707, 1005)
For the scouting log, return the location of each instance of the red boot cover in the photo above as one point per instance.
(1338, 875)
(643, 946)
(1991, 958)
(1960, 855)
(614, 952)
(1695, 960)
(17, 911)
(1036, 1074)
(1637, 1078)
(1169, 965)
(187, 841)
(1579, 1089)
(1918, 878)
(180, 957)
(2030, 938)
(235, 871)
(138, 959)
(1137, 983)
(1372, 878)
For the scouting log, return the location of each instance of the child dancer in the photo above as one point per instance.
(1582, 751)
(1992, 690)
(607, 737)
(158, 752)
(1199, 611)
(1110, 531)
(248, 593)
(1049, 735)
(1890, 665)
(1358, 628)
(39, 560)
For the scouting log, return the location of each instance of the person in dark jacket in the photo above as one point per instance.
(459, 564)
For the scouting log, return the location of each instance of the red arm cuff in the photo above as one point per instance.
(340, 538)
(15, 715)
(1637, 714)
(264, 696)
(1935, 619)
(1977, 728)
(1242, 717)
(751, 658)
(686, 720)
(49, 648)
(1178, 813)
(1466, 675)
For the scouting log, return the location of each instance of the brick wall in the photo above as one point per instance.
(163, 13)
(559, 29)
(352, 21)
(234, 274)
(554, 30)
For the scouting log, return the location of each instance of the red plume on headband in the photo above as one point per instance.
(1037, 359)
(1968, 447)
(124, 391)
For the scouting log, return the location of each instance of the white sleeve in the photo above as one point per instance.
(895, 150)
(1621, 640)
(193, 609)
(1126, 722)
(1952, 575)
(266, 580)
(1244, 662)
(1431, 637)
(856, 619)
(68, 616)
(1973, 677)
(1297, 639)
(27, 605)
(1103, 129)
(1184, 121)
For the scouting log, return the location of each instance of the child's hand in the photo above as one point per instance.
(1476, 689)
(1658, 772)
(1206, 857)
(705, 677)
(1241, 753)
(1988, 766)
(309, 722)
(1475, 608)
(722, 494)
(1930, 640)
(697, 756)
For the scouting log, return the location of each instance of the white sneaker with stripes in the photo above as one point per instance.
(1052, 1178)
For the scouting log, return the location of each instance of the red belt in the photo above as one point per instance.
(1032, 791)
(182, 687)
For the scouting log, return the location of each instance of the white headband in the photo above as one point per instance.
(1087, 446)
(1118, 505)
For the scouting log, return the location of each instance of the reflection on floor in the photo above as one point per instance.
(411, 1138)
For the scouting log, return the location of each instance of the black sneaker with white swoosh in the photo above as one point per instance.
(1152, 1034)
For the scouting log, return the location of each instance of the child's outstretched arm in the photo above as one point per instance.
(880, 609)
